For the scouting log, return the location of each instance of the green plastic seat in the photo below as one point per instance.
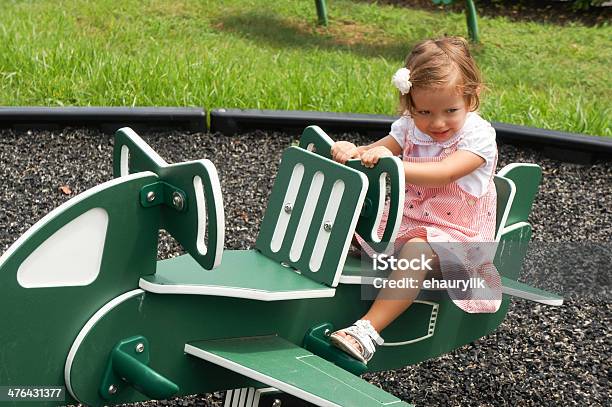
(304, 238)
(242, 274)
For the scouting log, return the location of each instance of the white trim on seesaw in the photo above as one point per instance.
(402, 197)
(219, 213)
(85, 330)
(283, 217)
(507, 208)
(511, 166)
(532, 296)
(330, 214)
(431, 328)
(65, 206)
(148, 150)
(235, 292)
(253, 374)
(305, 219)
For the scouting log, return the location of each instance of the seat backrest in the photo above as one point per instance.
(312, 214)
(505, 194)
(517, 185)
(388, 169)
(526, 177)
(199, 223)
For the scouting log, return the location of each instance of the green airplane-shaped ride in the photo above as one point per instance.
(86, 306)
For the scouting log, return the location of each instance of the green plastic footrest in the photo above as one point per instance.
(317, 341)
(128, 366)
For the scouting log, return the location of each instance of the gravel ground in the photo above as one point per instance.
(539, 356)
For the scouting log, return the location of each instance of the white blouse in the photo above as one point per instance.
(477, 135)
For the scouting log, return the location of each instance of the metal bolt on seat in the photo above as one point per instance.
(177, 200)
(162, 193)
(327, 226)
(288, 207)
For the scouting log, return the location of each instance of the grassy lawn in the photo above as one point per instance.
(270, 54)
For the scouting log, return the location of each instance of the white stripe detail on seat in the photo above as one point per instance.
(331, 212)
(217, 198)
(283, 217)
(507, 208)
(124, 162)
(306, 218)
(201, 210)
(382, 182)
(349, 237)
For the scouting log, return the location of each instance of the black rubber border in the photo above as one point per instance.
(233, 121)
(569, 147)
(563, 146)
(106, 119)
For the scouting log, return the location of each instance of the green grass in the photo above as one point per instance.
(270, 54)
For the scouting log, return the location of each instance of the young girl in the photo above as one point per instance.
(449, 154)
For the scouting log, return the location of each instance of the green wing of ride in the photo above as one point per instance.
(279, 363)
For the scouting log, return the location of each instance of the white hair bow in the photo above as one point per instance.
(401, 80)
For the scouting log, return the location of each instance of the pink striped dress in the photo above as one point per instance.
(458, 219)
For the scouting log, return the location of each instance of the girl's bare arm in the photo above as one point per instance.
(437, 174)
(388, 142)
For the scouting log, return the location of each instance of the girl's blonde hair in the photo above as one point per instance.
(438, 63)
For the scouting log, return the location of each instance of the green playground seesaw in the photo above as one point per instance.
(84, 304)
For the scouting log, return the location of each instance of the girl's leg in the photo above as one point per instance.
(392, 302)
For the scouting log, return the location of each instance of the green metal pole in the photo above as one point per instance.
(321, 12)
(472, 22)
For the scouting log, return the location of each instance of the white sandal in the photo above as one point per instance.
(366, 336)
